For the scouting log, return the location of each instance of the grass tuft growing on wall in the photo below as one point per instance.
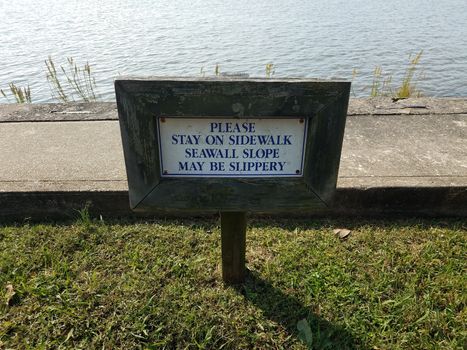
(71, 82)
(382, 84)
(408, 87)
(20, 95)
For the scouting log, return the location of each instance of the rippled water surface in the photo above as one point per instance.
(310, 38)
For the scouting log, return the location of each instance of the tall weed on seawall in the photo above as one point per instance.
(382, 84)
(21, 95)
(74, 82)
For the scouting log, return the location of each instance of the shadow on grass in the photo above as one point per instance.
(288, 311)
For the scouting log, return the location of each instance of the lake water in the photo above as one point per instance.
(307, 38)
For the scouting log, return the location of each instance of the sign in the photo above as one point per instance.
(227, 147)
(205, 145)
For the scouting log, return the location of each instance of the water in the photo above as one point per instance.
(308, 38)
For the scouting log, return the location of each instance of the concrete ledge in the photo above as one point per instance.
(375, 202)
(108, 110)
(62, 205)
(399, 158)
(405, 201)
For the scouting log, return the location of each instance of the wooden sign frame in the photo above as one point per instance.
(141, 100)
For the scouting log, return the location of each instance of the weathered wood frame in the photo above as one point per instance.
(141, 100)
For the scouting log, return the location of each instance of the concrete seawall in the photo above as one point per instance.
(407, 157)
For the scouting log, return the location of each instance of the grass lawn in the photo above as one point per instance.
(157, 285)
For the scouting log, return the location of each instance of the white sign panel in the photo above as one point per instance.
(228, 147)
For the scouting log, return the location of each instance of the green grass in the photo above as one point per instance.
(156, 285)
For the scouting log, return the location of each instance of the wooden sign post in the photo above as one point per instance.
(231, 146)
(233, 241)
